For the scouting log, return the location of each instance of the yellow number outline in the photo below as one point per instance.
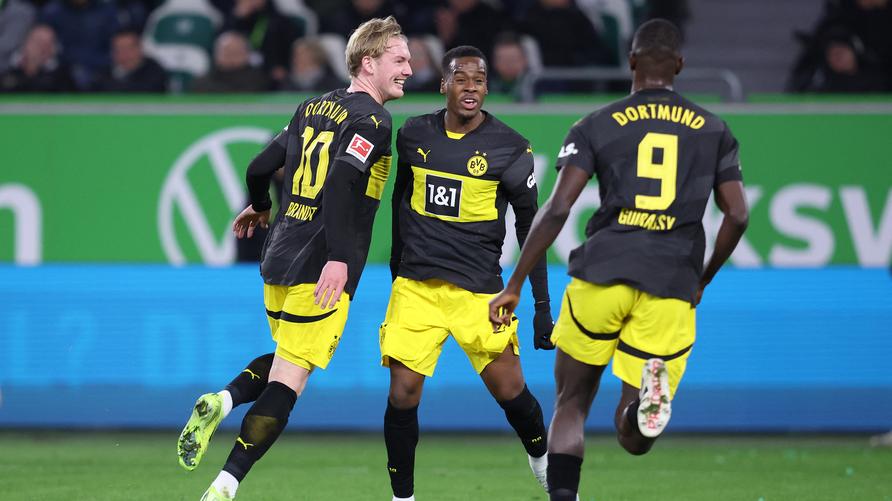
(305, 183)
(666, 172)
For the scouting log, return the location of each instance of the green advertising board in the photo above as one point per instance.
(161, 184)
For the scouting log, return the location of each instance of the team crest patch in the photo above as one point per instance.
(360, 147)
(333, 346)
(477, 164)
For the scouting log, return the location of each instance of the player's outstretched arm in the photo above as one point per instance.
(259, 173)
(525, 205)
(400, 186)
(261, 169)
(340, 232)
(731, 199)
(546, 225)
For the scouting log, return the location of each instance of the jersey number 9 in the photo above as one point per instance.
(665, 171)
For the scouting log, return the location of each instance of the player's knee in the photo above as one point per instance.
(404, 396)
(507, 390)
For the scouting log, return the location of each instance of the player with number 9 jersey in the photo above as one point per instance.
(648, 231)
(639, 275)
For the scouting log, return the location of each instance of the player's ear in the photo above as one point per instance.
(442, 86)
(368, 64)
(679, 64)
(633, 61)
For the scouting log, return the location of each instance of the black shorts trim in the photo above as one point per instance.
(298, 319)
(635, 352)
(597, 337)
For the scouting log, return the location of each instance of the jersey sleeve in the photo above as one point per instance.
(364, 142)
(728, 167)
(282, 137)
(261, 169)
(518, 178)
(400, 187)
(577, 149)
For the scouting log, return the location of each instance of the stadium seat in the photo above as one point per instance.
(434, 48)
(180, 35)
(614, 21)
(533, 53)
(335, 46)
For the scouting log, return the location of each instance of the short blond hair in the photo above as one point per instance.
(370, 39)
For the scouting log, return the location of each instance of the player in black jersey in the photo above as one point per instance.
(336, 157)
(639, 275)
(457, 171)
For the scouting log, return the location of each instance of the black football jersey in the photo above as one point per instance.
(335, 130)
(452, 213)
(657, 157)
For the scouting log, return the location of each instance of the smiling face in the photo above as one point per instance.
(391, 69)
(465, 87)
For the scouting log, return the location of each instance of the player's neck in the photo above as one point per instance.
(359, 84)
(646, 83)
(455, 123)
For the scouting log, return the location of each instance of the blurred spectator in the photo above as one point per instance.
(16, 17)
(84, 29)
(675, 11)
(850, 50)
(326, 8)
(356, 12)
(418, 17)
(131, 70)
(268, 31)
(309, 69)
(470, 22)
(509, 65)
(231, 71)
(180, 36)
(37, 68)
(132, 14)
(566, 36)
(425, 72)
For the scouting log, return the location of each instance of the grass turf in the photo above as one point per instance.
(39, 466)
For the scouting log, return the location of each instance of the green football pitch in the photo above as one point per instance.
(131, 466)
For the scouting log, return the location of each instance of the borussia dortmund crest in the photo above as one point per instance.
(477, 164)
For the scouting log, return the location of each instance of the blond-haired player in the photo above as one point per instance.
(336, 155)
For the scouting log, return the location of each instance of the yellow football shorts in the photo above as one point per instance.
(421, 315)
(598, 323)
(305, 334)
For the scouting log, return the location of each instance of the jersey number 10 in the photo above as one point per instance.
(665, 171)
(308, 181)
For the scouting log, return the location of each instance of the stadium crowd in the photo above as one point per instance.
(294, 45)
(849, 49)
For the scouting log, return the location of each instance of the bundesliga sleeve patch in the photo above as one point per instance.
(360, 147)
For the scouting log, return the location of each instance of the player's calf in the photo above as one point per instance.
(401, 438)
(261, 426)
(525, 415)
(644, 412)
